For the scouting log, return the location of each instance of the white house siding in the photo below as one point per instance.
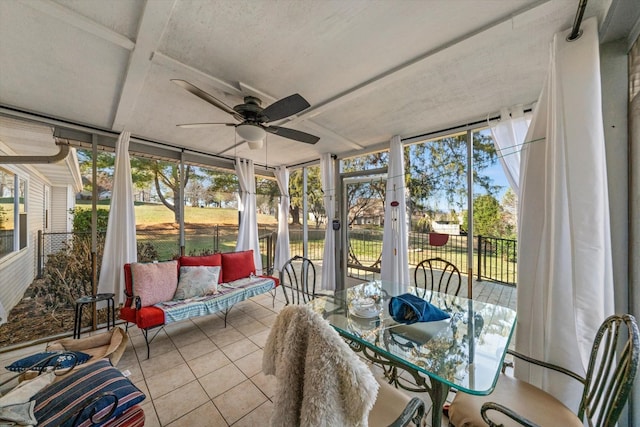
(18, 269)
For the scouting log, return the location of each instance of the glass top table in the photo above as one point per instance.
(465, 351)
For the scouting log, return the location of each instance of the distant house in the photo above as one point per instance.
(33, 197)
(371, 213)
(446, 227)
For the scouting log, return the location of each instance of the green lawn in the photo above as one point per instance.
(148, 214)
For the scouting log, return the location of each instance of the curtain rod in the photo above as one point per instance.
(576, 32)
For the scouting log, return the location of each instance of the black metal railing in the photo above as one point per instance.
(497, 258)
(494, 258)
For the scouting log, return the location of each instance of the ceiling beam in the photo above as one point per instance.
(154, 21)
(164, 60)
(82, 22)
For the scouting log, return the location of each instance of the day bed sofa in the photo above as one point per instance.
(190, 286)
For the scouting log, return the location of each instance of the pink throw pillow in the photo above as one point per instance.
(237, 265)
(154, 282)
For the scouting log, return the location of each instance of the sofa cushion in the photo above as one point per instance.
(213, 260)
(149, 317)
(61, 362)
(154, 282)
(58, 404)
(237, 265)
(197, 281)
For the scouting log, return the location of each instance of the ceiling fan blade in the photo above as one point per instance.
(236, 145)
(207, 97)
(201, 125)
(292, 134)
(285, 107)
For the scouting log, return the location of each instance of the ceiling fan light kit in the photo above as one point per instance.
(254, 120)
(251, 133)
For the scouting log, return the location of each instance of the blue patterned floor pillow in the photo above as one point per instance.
(60, 403)
(63, 361)
(408, 308)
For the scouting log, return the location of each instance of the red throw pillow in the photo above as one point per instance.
(237, 265)
(214, 260)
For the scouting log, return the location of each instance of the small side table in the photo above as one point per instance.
(80, 303)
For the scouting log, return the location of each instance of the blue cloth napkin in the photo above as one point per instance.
(408, 308)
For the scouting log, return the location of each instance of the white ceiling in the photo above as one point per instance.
(369, 69)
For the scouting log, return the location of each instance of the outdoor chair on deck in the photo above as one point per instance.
(607, 385)
(437, 274)
(298, 280)
(322, 382)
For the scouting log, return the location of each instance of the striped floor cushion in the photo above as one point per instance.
(60, 403)
(132, 417)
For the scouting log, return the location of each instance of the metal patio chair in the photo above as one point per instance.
(437, 274)
(607, 385)
(298, 280)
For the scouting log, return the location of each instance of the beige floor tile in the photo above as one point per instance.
(239, 401)
(163, 382)
(160, 345)
(252, 328)
(179, 402)
(208, 363)
(260, 339)
(259, 416)
(222, 380)
(197, 349)
(268, 320)
(239, 349)
(161, 363)
(205, 415)
(250, 364)
(187, 336)
(212, 322)
(226, 336)
(266, 383)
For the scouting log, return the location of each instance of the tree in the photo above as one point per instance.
(439, 168)
(363, 196)
(486, 216)
(223, 187)
(267, 191)
(314, 194)
(509, 214)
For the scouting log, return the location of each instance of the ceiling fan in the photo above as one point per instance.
(253, 119)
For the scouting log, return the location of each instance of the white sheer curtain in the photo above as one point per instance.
(248, 229)
(327, 173)
(282, 244)
(565, 284)
(395, 264)
(120, 244)
(508, 137)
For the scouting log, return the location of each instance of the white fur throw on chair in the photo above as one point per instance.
(321, 381)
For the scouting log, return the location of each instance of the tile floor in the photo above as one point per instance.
(203, 374)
